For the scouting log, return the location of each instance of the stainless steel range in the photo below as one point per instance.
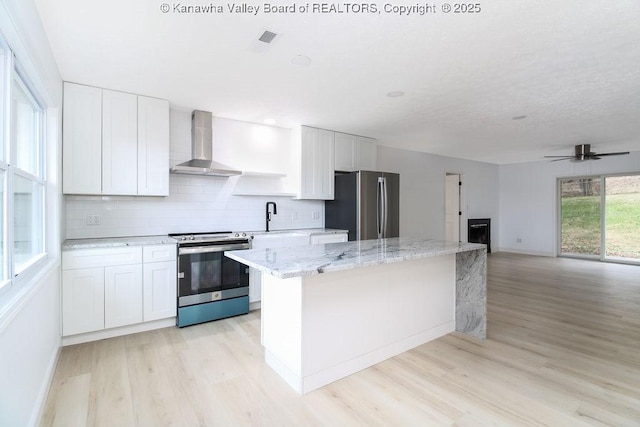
(210, 285)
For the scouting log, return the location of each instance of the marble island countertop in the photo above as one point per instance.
(301, 261)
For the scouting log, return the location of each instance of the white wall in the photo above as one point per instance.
(422, 190)
(200, 203)
(29, 339)
(30, 313)
(528, 199)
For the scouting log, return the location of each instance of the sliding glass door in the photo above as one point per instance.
(581, 213)
(600, 217)
(622, 217)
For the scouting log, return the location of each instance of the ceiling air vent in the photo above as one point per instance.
(267, 37)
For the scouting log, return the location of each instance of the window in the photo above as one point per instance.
(22, 174)
(600, 217)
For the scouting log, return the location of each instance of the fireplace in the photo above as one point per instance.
(480, 232)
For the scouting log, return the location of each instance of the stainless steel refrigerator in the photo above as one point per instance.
(366, 203)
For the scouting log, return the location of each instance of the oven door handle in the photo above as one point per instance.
(214, 248)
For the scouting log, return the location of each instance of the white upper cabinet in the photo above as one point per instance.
(316, 164)
(367, 154)
(82, 149)
(346, 152)
(114, 143)
(355, 153)
(119, 143)
(153, 146)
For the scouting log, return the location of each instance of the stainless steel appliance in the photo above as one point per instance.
(366, 203)
(201, 149)
(210, 285)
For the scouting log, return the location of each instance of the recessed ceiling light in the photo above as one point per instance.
(395, 94)
(518, 117)
(269, 121)
(301, 60)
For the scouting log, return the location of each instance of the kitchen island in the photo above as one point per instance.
(331, 310)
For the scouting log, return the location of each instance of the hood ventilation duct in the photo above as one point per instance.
(201, 149)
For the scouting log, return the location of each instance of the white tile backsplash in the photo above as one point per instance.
(196, 203)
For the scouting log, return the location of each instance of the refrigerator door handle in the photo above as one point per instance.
(380, 207)
(385, 213)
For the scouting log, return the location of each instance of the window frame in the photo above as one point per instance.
(13, 277)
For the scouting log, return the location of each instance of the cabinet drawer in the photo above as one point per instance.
(157, 253)
(101, 257)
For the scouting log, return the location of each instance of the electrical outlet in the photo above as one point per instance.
(519, 240)
(315, 215)
(93, 219)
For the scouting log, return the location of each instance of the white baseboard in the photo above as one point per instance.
(526, 252)
(116, 332)
(256, 305)
(36, 416)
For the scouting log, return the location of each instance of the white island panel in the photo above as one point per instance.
(331, 310)
(320, 328)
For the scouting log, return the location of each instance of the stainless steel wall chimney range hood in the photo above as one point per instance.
(201, 150)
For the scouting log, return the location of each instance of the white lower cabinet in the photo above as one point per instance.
(255, 285)
(82, 300)
(122, 295)
(106, 288)
(159, 291)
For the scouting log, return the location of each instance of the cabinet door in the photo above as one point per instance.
(82, 140)
(346, 152)
(317, 164)
(153, 147)
(119, 143)
(82, 300)
(123, 295)
(308, 165)
(325, 164)
(255, 285)
(367, 157)
(160, 290)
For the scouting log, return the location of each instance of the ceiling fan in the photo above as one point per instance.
(583, 152)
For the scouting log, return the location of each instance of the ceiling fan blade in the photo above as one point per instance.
(557, 160)
(611, 154)
(564, 157)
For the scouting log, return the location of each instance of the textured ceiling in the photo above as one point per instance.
(572, 67)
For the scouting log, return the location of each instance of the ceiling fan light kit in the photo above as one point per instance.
(583, 152)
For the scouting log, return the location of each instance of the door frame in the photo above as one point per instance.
(464, 232)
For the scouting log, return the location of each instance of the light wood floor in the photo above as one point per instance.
(563, 350)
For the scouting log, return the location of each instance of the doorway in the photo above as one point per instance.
(600, 217)
(453, 207)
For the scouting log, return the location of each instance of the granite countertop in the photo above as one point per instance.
(113, 242)
(298, 261)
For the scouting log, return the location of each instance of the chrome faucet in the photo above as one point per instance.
(268, 213)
